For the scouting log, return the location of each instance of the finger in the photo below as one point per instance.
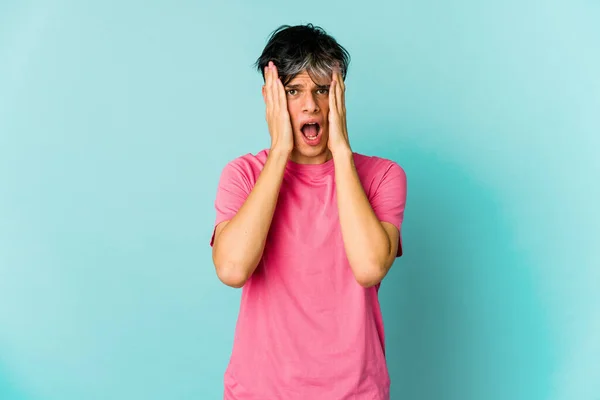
(274, 87)
(268, 73)
(268, 88)
(332, 97)
(281, 95)
(339, 93)
(336, 74)
(341, 81)
(277, 86)
(275, 71)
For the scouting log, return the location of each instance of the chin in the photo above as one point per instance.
(306, 153)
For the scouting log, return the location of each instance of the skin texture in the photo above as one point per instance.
(277, 113)
(370, 245)
(308, 100)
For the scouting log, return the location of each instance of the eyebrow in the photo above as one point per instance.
(300, 86)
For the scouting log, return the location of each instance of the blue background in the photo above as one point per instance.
(116, 118)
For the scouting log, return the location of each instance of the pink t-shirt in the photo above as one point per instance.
(306, 329)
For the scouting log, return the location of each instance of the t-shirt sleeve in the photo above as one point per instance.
(389, 199)
(232, 191)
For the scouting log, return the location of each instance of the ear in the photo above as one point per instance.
(264, 95)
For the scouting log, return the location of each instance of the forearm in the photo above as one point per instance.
(240, 245)
(366, 242)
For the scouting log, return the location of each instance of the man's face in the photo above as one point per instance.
(308, 106)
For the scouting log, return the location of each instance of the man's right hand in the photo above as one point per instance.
(278, 117)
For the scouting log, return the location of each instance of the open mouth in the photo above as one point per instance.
(311, 130)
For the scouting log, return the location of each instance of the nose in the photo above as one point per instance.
(309, 104)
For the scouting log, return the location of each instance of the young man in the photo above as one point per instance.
(309, 229)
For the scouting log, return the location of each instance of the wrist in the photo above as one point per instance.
(277, 153)
(342, 152)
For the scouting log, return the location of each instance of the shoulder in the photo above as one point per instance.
(377, 167)
(247, 164)
(243, 171)
(250, 160)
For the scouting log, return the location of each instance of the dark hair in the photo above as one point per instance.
(309, 48)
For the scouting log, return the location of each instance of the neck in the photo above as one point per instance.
(299, 158)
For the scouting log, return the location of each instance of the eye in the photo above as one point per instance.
(292, 92)
(322, 91)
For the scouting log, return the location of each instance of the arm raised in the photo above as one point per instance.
(239, 242)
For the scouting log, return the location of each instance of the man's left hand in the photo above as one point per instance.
(338, 132)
